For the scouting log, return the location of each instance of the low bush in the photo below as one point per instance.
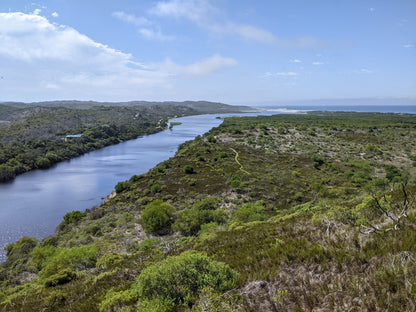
(189, 221)
(179, 280)
(63, 276)
(250, 212)
(60, 266)
(73, 217)
(157, 217)
(188, 169)
(122, 186)
(20, 248)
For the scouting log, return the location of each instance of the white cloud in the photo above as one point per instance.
(296, 61)
(366, 71)
(317, 63)
(301, 43)
(409, 46)
(203, 14)
(211, 19)
(371, 9)
(155, 35)
(281, 74)
(49, 61)
(131, 19)
(55, 14)
(37, 11)
(146, 32)
(194, 10)
(207, 66)
(245, 31)
(32, 37)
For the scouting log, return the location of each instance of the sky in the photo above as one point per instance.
(230, 51)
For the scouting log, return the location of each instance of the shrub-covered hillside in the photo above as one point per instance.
(281, 213)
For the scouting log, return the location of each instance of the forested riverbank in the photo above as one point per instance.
(36, 136)
(274, 213)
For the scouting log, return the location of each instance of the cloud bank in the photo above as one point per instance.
(46, 58)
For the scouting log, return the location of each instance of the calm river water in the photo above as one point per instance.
(35, 202)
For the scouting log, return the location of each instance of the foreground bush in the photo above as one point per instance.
(179, 280)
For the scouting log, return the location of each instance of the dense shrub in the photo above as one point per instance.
(392, 173)
(189, 221)
(61, 277)
(188, 169)
(114, 301)
(317, 161)
(155, 188)
(41, 254)
(43, 163)
(110, 261)
(157, 217)
(179, 280)
(58, 268)
(73, 217)
(208, 203)
(6, 173)
(22, 247)
(122, 186)
(250, 212)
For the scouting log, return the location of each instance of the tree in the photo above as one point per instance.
(395, 207)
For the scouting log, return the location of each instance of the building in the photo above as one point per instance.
(71, 137)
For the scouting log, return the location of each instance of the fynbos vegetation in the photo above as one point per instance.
(283, 213)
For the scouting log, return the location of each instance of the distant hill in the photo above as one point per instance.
(200, 106)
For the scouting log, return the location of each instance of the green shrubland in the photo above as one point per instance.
(317, 214)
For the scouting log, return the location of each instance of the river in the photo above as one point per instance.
(34, 203)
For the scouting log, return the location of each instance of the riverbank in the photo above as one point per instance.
(51, 135)
(39, 135)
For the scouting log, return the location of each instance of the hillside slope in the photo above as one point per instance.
(279, 213)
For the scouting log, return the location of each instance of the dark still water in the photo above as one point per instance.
(35, 202)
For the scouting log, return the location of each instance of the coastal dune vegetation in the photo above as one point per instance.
(293, 212)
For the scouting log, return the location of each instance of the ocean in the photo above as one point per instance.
(404, 109)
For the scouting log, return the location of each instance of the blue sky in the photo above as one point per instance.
(239, 52)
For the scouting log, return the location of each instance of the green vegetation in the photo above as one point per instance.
(188, 169)
(177, 281)
(157, 217)
(280, 213)
(34, 136)
(189, 221)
